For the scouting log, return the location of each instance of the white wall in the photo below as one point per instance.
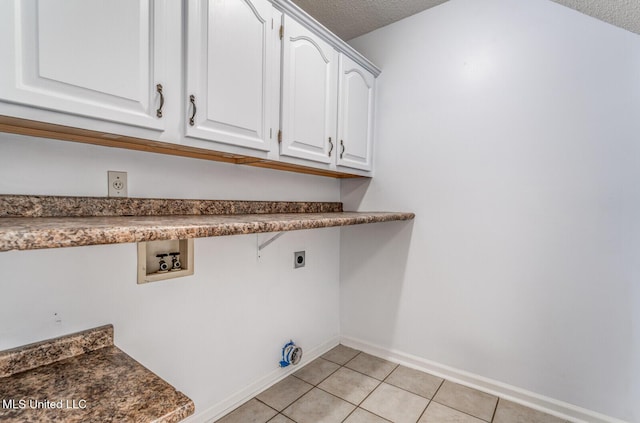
(511, 129)
(211, 335)
(34, 166)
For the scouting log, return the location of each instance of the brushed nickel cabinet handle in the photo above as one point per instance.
(159, 90)
(192, 99)
(342, 145)
(331, 144)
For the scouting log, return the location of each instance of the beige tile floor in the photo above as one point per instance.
(346, 385)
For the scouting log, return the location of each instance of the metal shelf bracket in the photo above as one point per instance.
(264, 244)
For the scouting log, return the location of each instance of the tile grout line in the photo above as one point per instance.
(344, 366)
(431, 399)
(349, 415)
(341, 366)
(463, 412)
(495, 410)
(312, 385)
(366, 396)
(323, 379)
(286, 406)
(317, 385)
(385, 381)
(280, 414)
(380, 382)
(377, 386)
(260, 401)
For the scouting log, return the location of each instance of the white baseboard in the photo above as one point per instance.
(530, 399)
(235, 400)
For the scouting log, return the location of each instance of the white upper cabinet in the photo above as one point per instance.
(355, 115)
(231, 61)
(258, 79)
(309, 95)
(95, 58)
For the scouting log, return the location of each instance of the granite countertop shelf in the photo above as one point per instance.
(83, 377)
(35, 222)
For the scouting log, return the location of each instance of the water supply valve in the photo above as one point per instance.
(163, 265)
(175, 261)
(164, 259)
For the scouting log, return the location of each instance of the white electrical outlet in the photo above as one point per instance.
(117, 183)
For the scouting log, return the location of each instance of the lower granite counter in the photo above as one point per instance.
(84, 378)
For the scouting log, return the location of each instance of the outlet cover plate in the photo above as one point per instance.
(117, 183)
(299, 259)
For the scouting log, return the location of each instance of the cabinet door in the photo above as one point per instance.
(93, 58)
(309, 92)
(230, 62)
(355, 117)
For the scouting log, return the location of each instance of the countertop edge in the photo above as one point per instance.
(179, 414)
(42, 353)
(14, 205)
(38, 233)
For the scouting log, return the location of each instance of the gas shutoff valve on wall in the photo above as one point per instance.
(291, 354)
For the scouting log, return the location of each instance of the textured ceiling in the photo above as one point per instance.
(622, 13)
(351, 18)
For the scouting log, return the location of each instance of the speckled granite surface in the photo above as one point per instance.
(54, 206)
(46, 352)
(102, 385)
(33, 233)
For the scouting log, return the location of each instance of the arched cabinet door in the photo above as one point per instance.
(309, 91)
(92, 58)
(355, 116)
(231, 60)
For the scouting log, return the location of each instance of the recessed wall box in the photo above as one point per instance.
(167, 259)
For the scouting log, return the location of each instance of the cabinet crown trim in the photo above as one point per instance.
(320, 30)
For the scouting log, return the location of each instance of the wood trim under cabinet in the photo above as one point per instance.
(66, 133)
